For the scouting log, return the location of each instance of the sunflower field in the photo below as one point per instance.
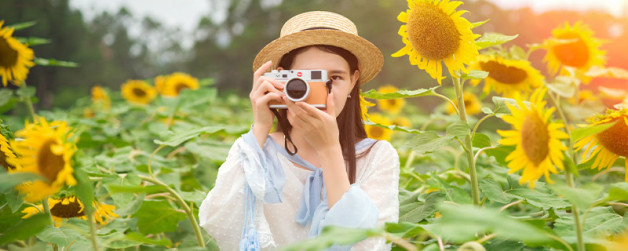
(512, 158)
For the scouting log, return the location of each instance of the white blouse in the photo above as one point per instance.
(373, 196)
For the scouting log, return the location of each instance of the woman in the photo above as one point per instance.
(318, 168)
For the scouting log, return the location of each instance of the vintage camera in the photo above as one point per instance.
(310, 86)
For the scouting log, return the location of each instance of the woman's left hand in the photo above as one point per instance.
(320, 126)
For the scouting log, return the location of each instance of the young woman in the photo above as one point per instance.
(318, 168)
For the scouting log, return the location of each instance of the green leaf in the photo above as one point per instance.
(33, 41)
(582, 198)
(403, 229)
(210, 149)
(618, 191)
(135, 236)
(476, 24)
(600, 221)
(8, 181)
(176, 138)
(427, 142)
(5, 96)
(540, 197)
(481, 140)
(394, 128)
(84, 189)
(581, 133)
(500, 105)
(135, 189)
(373, 94)
(500, 153)
(25, 228)
(492, 39)
(494, 192)
(458, 129)
(462, 223)
(26, 92)
(333, 235)
(475, 74)
(61, 236)
(23, 25)
(564, 86)
(54, 62)
(418, 211)
(156, 216)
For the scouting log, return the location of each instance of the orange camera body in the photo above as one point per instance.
(309, 86)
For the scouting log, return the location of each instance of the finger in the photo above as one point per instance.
(264, 100)
(265, 88)
(293, 107)
(260, 72)
(276, 83)
(309, 109)
(331, 105)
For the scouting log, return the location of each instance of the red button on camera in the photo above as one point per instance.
(299, 74)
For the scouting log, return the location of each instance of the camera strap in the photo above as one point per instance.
(286, 136)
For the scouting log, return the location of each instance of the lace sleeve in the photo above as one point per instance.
(380, 181)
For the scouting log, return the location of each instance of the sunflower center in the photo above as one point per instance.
(376, 132)
(3, 162)
(9, 55)
(432, 32)
(139, 92)
(49, 164)
(467, 102)
(502, 73)
(535, 138)
(181, 86)
(391, 102)
(574, 54)
(614, 138)
(71, 210)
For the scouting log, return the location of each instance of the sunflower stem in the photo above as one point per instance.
(92, 230)
(29, 104)
(448, 100)
(44, 203)
(468, 143)
(181, 202)
(150, 160)
(568, 174)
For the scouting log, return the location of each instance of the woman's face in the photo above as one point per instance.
(337, 69)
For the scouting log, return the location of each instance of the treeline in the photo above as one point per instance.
(108, 55)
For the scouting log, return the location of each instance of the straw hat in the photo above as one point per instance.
(325, 28)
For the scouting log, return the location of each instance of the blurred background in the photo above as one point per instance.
(116, 40)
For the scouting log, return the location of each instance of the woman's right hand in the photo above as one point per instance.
(264, 90)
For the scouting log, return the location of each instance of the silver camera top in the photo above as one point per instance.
(307, 75)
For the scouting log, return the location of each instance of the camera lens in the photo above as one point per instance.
(296, 89)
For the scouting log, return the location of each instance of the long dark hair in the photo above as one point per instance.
(350, 124)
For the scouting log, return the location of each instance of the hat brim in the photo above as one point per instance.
(370, 58)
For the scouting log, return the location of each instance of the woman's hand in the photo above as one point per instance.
(264, 90)
(320, 126)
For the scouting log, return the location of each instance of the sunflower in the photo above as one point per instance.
(176, 82)
(364, 105)
(159, 83)
(7, 155)
(471, 104)
(507, 76)
(100, 97)
(71, 207)
(583, 95)
(435, 32)
(610, 144)
(401, 121)
(376, 132)
(573, 46)
(537, 139)
(15, 58)
(138, 91)
(392, 106)
(44, 149)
